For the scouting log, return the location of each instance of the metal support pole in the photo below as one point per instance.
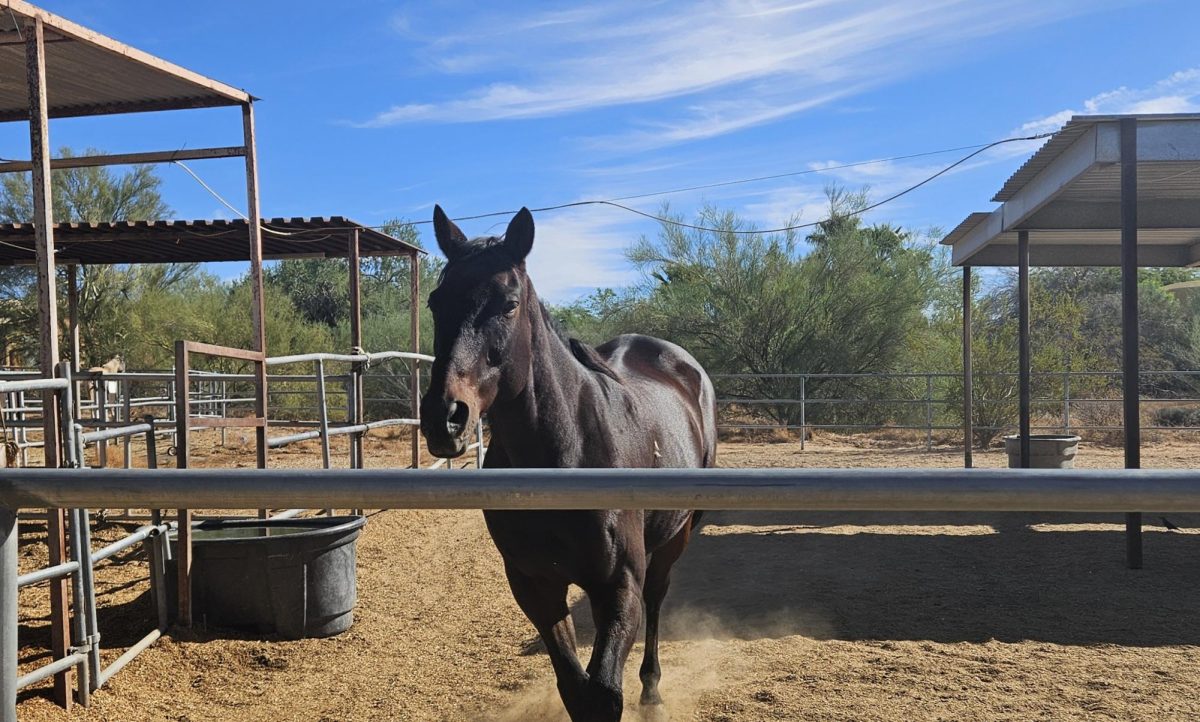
(48, 352)
(258, 311)
(89, 600)
(968, 300)
(8, 615)
(414, 276)
(123, 387)
(152, 460)
(929, 412)
(323, 414)
(183, 556)
(101, 387)
(83, 688)
(1067, 400)
(1023, 363)
(478, 440)
(803, 411)
(354, 263)
(73, 315)
(1130, 365)
(351, 405)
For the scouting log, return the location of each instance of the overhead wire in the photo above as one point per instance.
(615, 202)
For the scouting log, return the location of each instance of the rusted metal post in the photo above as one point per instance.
(183, 554)
(258, 311)
(73, 316)
(414, 274)
(1130, 364)
(968, 374)
(356, 373)
(48, 353)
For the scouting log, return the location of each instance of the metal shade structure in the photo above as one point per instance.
(50, 68)
(1067, 196)
(90, 74)
(200, 241)
(1102, 191)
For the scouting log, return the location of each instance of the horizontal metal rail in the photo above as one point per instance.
(906, 489)
(60, 665)
(280, 441)
(114, 432)
(7, 387)
(58, 571)
(137, 536)
(348, 358)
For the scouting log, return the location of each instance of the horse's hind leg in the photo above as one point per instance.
(545, 603)
(658, 580)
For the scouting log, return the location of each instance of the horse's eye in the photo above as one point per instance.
(510, 308)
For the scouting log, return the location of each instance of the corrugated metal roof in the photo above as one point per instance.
(197, 241)
(1060, 141)
(965, 227)
(91, 74)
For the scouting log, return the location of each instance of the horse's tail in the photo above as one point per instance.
(708, 415)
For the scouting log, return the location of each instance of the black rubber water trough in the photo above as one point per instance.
(290, 578)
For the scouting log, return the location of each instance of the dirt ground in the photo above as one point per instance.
(771, 616)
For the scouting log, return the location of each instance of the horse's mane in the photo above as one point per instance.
(584, 353)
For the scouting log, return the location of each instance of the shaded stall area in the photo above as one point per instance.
(1103, 191)
(68, 71)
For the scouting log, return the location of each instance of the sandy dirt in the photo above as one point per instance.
(771, 616)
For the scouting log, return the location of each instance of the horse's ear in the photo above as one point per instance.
(518, 239)
(449, 238)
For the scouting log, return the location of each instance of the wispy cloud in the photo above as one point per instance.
(1177, 93)
(715, 67)
(578, 250)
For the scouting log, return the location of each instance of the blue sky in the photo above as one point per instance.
(375, 110)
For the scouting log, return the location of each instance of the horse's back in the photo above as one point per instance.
(663, 375)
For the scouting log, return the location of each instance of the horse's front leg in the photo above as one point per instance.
(545, 604)
(617, 612)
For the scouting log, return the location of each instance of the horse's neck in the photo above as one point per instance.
(539, 428)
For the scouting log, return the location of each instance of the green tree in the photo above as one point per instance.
(109, 295)
(845, 301)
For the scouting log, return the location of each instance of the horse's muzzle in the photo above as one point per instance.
(446, 424)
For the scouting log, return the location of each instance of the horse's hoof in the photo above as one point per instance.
(653, 713)
(650, 697)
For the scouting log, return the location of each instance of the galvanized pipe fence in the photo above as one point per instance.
(928, 402)
(991, 490)
(212, 401)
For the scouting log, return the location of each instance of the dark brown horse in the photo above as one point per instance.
(554, 402)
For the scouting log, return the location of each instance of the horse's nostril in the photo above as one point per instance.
(457, 415)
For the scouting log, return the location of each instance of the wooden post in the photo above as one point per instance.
(414, 274)
(43, 220)
(183, 552)
(258, 310)
(354, 262)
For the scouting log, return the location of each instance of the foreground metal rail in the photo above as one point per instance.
(1080, 490)
(763, 489)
